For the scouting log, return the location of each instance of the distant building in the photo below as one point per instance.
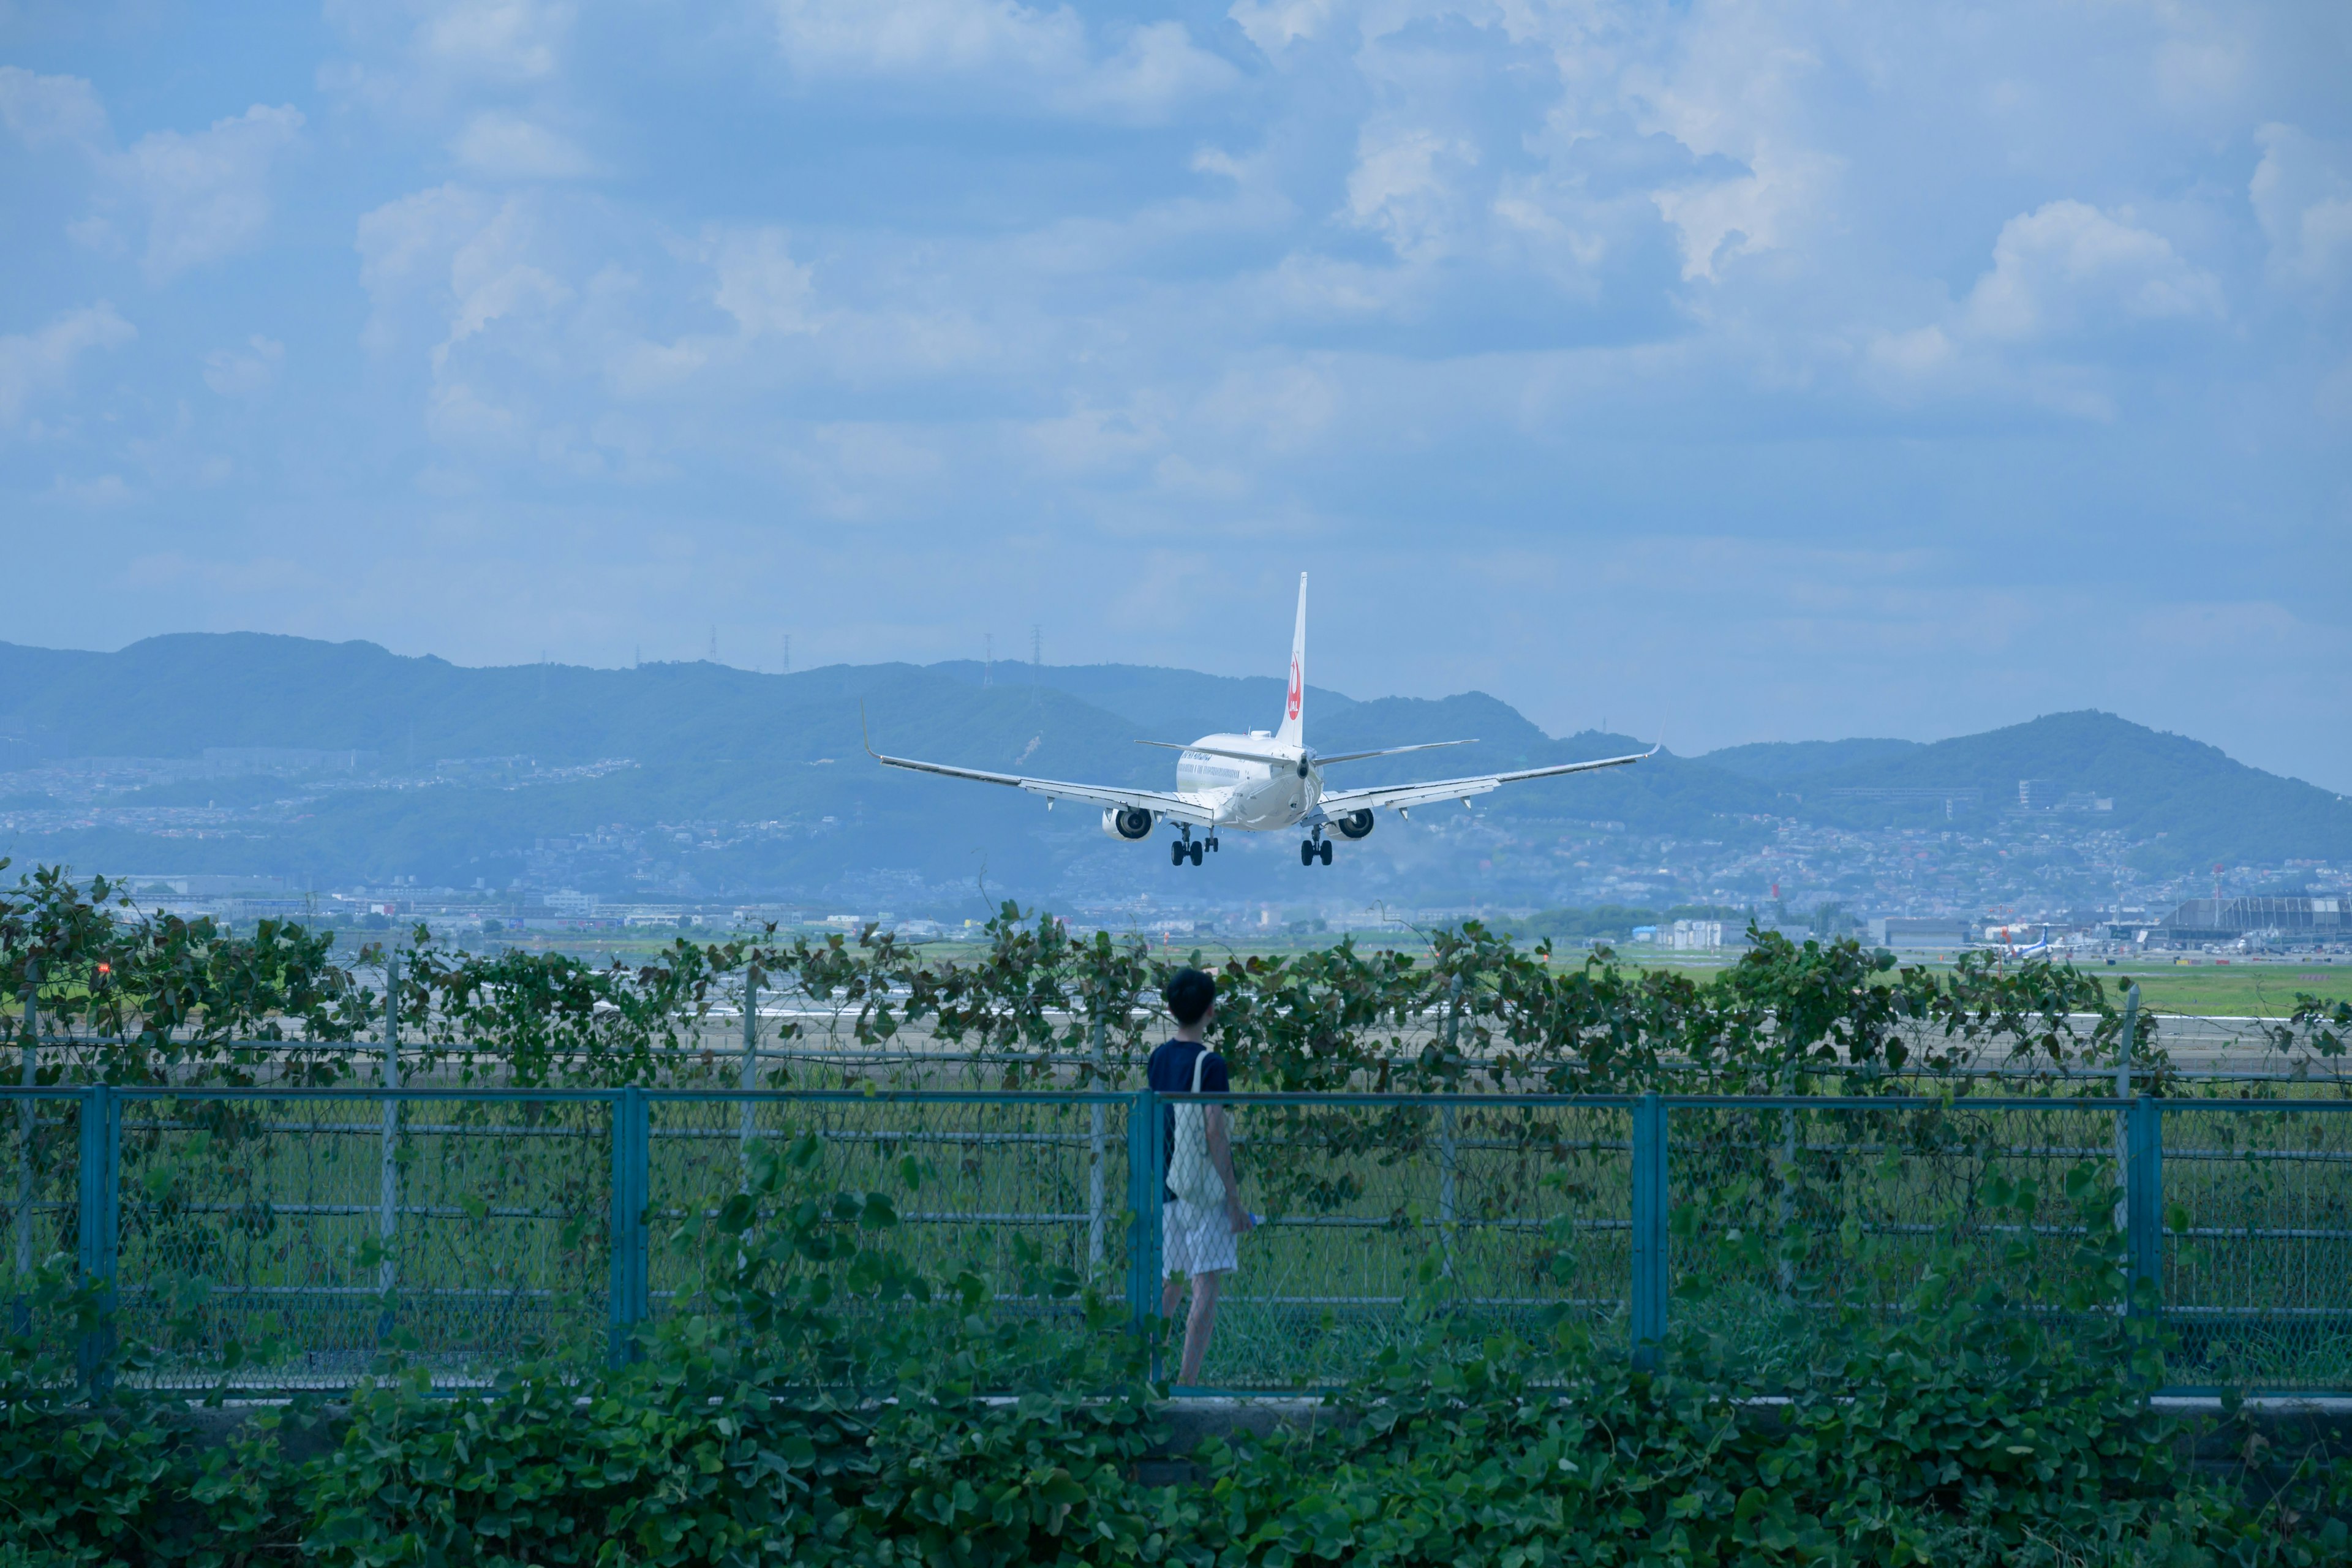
(1951, 797)
(26, 745)
(1692, 935)
(204, 886)
(232, 760)
(2042, 795)
(1905, 931)
(2291, 920)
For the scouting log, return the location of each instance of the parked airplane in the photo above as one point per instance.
(1258, 782)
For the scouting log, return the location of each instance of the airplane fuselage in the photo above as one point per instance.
(1261, 791)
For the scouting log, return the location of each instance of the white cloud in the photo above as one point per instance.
(1156, 69)
(1036, 58)
(929, 38)
(761, 285)
(755, 281)
(206, 193)
(505, 146)
(432, 64)
(2068, 264)
(2037, 327)
(1274, 25)
(460, 414)
(1723, 219)
(497, 273)
(106, 489)
(404, 242)
(45, 110)
(406, 247)
(2191, 74)
(1406, 187)
(34, 362)
(1919, 353)
(515, 40)
(2301, 194)
(1736, 86)
(241, 372)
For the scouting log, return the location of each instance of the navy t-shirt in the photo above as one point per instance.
(1170, 1071)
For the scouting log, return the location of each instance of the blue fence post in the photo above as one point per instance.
(28, 1121)
(1143, 1183)
(2144, 1204)
(99, 1218)
(1649, 1284)
(632, 1234)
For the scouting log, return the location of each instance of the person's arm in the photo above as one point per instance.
(1221, 1155)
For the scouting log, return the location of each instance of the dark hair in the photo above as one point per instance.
(1187, 993)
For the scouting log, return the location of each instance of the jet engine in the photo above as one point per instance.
(1128, 822)
(1355, 825)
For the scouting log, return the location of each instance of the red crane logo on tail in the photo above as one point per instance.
(1293, 710)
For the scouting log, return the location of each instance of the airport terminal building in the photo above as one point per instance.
(2293, 921)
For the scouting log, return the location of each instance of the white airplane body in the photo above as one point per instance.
(1263, 782)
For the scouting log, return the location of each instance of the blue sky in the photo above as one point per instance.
(1744, 371)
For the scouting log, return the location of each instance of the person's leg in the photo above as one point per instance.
(1175, 1255)
(1199, 1324)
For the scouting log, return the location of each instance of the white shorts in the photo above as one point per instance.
(1194, 1241)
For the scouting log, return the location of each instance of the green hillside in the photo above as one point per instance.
(2189, 804)
(1777, 761)
(749, 784)
(1172, 704)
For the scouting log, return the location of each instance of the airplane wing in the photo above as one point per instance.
(1339, 802)
(1194, 809)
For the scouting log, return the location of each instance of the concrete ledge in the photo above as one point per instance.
(2257, 1450)
(1194, 1419)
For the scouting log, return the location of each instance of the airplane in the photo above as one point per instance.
(1264, 781)
(2019, 949)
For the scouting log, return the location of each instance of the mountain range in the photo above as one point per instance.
(696, 777)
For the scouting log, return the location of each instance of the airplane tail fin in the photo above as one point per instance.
(1294, 704)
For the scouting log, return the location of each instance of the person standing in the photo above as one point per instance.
(1201, 1212)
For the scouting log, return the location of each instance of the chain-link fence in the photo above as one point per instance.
(2257, 1246)
(280, 1238)
(1371, 1209)
(1026, 1193)
(297, 1238)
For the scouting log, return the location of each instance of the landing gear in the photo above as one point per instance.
(1176, 853)
(1313, 849)
(1187, 848)
(1195, 848)
(1326, 852)
(1307, 851)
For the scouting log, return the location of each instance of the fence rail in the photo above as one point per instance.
(280, 1237)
